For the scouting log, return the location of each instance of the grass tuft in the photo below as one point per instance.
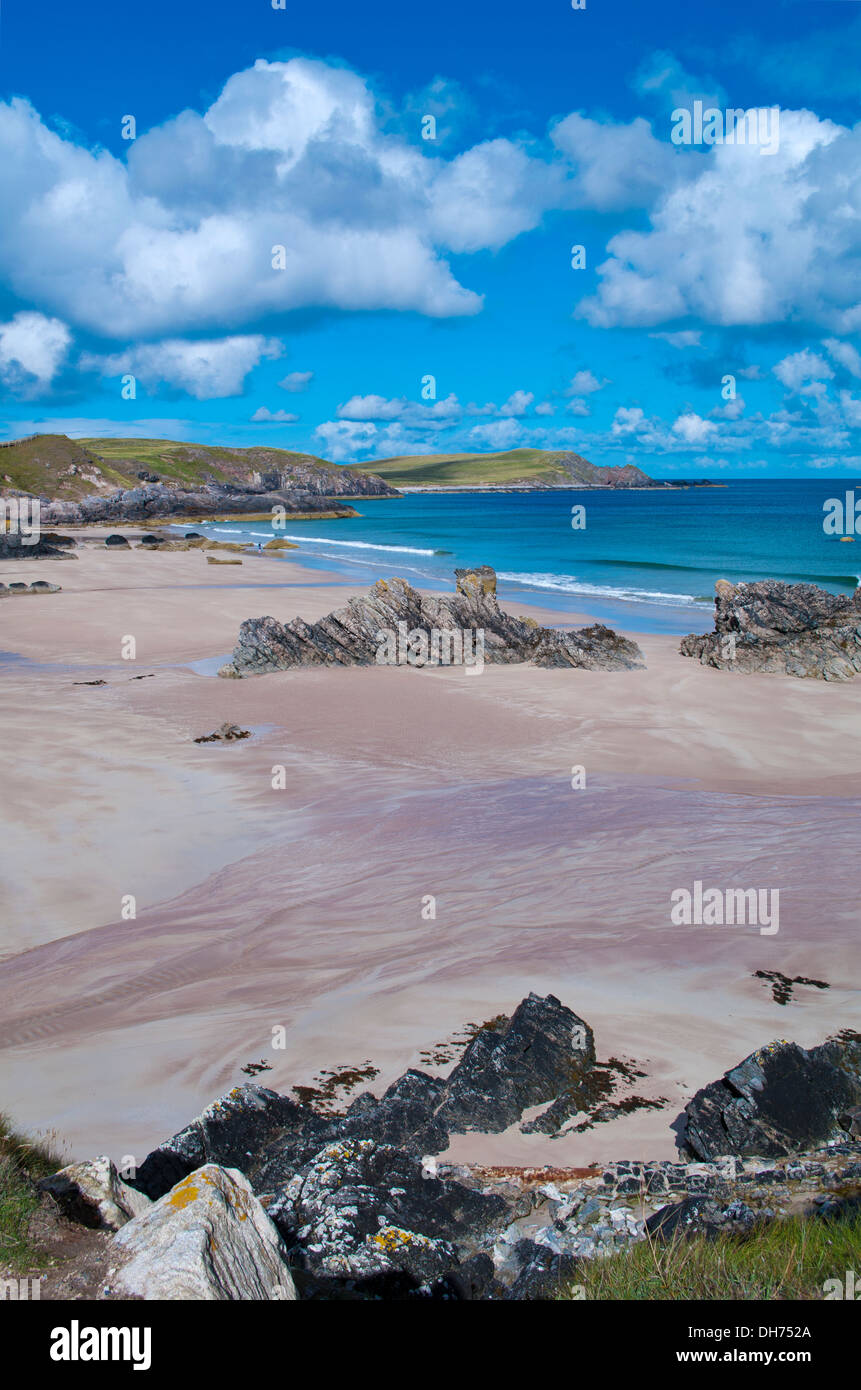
(22, 1160)
(785, 1259)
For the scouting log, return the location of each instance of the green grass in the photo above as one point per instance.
(785, 1259)
(464, 469)
(22, 1161)
(44, 464)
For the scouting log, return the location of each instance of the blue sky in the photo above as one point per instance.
(407, 258)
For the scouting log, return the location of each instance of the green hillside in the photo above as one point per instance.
(524, 467)
(51, 465)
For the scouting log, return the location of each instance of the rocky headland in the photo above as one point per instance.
(795, 629)
(264, 1196)
(79, 482)
(350, 636)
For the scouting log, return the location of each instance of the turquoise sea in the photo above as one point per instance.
(645, 560)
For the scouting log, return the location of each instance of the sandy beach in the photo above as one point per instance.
(259, 908)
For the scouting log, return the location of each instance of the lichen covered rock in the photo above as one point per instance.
(94, 1194)
(207, 1239)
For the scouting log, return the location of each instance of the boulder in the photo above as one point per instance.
(94, 1194)
(351, 636)
(118, 542)
(700, 1216)
(795, 629)
(780, 1100)
(207, 1239)
(366, 1211)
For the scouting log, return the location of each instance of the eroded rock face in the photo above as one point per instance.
(351, 635)
(94, 1194)
(153, 500)
(780, 1100)
(796, 629)
(207, 1239)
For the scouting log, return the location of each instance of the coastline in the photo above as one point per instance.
(300, 908)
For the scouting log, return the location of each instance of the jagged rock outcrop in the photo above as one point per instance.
(780, 1100)
(543, 1052)
(93, 1194)
(478, 630)
(208, 1239)
(797, 629)
(233, 1132)
(261, 1191)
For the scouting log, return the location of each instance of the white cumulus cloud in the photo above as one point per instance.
(32, 350)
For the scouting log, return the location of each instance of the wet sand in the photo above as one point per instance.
(302, 907)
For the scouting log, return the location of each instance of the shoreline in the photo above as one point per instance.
(301, 907)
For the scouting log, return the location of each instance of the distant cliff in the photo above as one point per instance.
(518, 469)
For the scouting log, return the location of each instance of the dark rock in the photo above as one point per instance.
(233, 1132)
(543, 1273)
(700, 1216)
(851, 1122)
(12, 547)
(225, 733)
(359, 1210)
(797, 629)
(779, 1101)
(193, 536)
(544, 1051)
(117, 541)
(403, 1117)
(352, 636)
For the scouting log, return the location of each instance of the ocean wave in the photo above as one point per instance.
(570, 584)
(347, 545)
